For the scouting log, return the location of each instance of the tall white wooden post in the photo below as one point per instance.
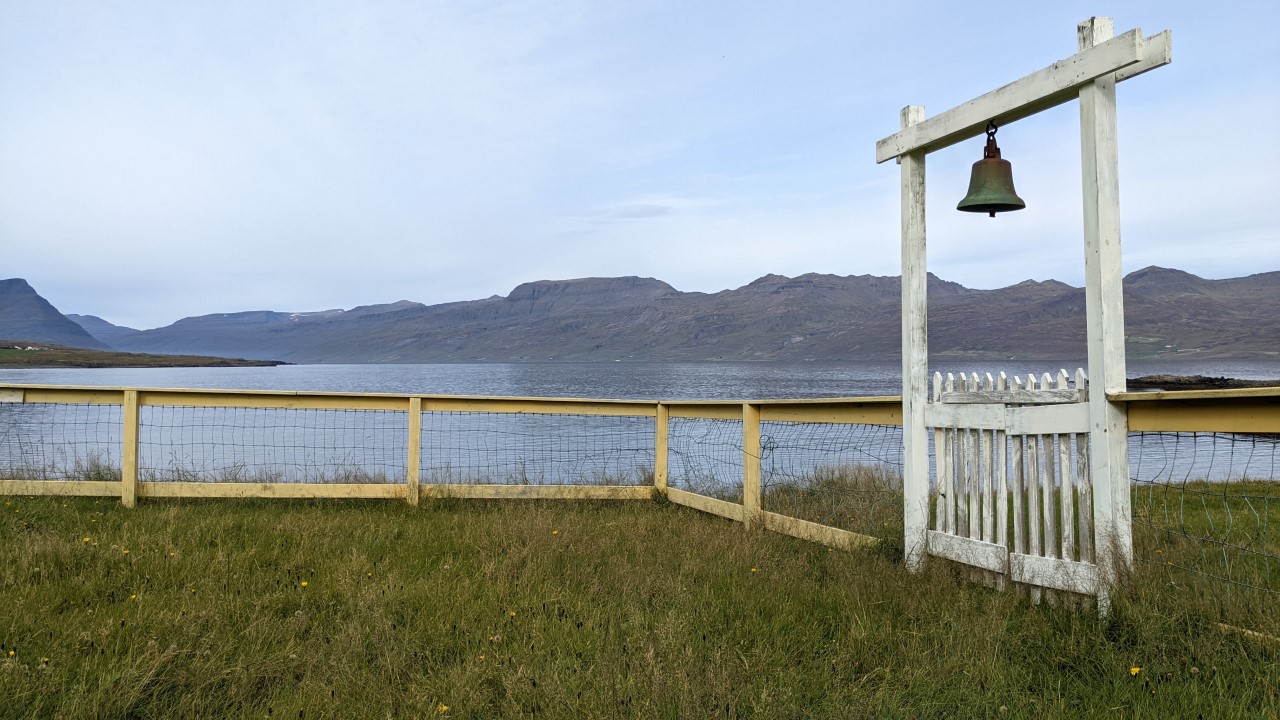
(915, 353)
(1104, 310)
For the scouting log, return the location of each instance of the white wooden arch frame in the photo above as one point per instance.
(1090, 75)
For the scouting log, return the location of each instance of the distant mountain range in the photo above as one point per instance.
(810, 317)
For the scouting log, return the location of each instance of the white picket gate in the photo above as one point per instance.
(1013, 493)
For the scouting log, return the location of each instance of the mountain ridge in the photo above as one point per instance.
(812, 316)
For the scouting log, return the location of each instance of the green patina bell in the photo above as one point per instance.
(991, 183)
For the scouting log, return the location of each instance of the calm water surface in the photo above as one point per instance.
(649, 381)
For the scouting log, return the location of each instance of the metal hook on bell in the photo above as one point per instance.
(991, 182)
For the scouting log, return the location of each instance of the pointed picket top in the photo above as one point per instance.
(1002, 382)
(1064, 380)
(1082, 381)
(937, 386)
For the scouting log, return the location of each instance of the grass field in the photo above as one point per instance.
(469, 609)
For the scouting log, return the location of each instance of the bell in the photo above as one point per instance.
(991, 183)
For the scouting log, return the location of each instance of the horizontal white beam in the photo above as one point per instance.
(1126, 55)
(1048, 419)
(1157, 50)
(969, 551)
(1029, 420)
(1076, 577)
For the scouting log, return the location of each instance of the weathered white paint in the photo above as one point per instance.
(969, 551)
(1066, 487)
(1029, 420)
(1053, 573)
(940, 445)
(915, 353)
(1157, 50)
(1084, 487)
(988, 475)
(1014, 397)
(1104, 309)
(1041, 90)
(1052, 540)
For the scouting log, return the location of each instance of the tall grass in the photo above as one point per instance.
(587, 610)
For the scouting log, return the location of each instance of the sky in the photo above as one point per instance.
(160, 160)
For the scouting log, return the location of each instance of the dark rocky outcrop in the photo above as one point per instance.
(24, 315)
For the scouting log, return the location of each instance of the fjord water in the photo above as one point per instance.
(642, 380)
(1209, 456)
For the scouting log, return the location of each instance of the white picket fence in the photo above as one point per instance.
(1013, 494)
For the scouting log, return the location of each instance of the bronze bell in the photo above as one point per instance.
(991, 183)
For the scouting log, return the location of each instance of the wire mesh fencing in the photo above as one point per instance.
(1206, 509)
(271, 445)
(705, 457)
(58, 441)
(841, 475)
(536, 449)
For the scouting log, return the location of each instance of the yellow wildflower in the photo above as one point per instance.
(443, 708)
(1135, 670)
(512, 613)
(133, 597)
(754, 570)
(555, 532)
(303, 583)
(84, 539)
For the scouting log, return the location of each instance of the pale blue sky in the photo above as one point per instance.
(162, 159)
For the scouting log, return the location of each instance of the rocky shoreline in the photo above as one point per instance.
(1195, 382)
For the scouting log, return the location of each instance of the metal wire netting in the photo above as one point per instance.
(705, 457)
(56, 441)
(844, 476)
(1206, 506)
(536, 449)
(270, 445)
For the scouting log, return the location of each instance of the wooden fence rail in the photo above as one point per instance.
(1254, 411)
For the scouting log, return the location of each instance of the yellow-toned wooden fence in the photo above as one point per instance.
(1244, 411)
(133, 402)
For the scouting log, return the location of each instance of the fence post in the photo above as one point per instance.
(751, 515)
(661, 448)
(129, 451)
(1104, 317)
(915, 354)
(415, 452)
